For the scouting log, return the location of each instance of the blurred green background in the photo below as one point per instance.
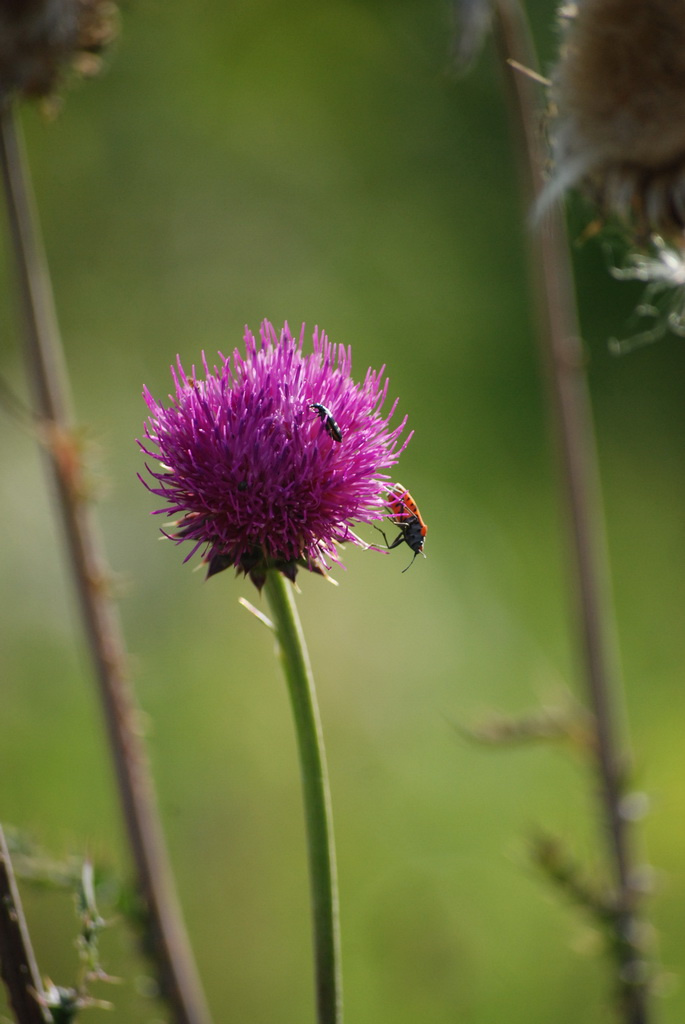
(322, 163)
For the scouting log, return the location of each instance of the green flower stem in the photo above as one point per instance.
(317, 801)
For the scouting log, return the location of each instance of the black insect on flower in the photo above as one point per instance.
(330, 426)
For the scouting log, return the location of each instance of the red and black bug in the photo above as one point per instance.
(330, 426)
(403, 512)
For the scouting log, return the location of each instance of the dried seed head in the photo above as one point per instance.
(618, 128)
(41, 40)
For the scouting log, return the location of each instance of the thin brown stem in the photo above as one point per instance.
(46, 367)
(18, 966)
(571, 410)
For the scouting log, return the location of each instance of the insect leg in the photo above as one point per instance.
(397, 540)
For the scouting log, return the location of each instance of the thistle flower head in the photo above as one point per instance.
(271, 456)
(618, 126)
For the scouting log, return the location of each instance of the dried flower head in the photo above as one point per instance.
(618, 128)
(41, 39)
(256, 471)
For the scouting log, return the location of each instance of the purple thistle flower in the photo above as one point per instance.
(252, 465)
